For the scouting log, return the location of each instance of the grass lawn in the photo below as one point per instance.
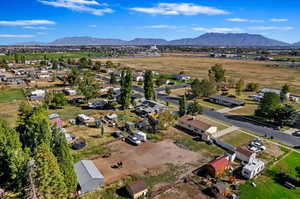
(9, 112)
(237, 138)
(248, 109)
(10, 95)
(267, 188)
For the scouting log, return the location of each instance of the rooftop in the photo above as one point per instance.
(137, 186)
(244, 151)
(219, 163)
(195, 123)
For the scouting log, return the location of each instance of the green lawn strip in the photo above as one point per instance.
(10, 95)
(91, 150)
(237, 138)
(267, 187)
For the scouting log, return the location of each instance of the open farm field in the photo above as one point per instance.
(251, 71)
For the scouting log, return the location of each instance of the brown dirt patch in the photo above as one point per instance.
(143, 159)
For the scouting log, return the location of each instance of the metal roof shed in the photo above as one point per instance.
(88, 176)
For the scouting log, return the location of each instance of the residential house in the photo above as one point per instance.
(201, 128)
(243, 154)
(218, 166)
(253, 168)
(225, 101)
(84, 119)
(98, 104)
(137, 189)
(149, 107)
(38, 93)
(55, 120)
(181, 77)
(70, 92)
(263, 91)
(88, 176)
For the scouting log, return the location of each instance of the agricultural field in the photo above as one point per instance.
(251, 71)
(267, 187)
(35, 56)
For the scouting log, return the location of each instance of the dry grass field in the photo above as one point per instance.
(254, 71)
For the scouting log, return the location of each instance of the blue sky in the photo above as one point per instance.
(47, 20)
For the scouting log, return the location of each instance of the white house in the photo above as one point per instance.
(38, 93)
(88, 176)
(263, 91)
(252, 169)
(245, 155)
(85, 119)
(206, 131)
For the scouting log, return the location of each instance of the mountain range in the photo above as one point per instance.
(208, 39)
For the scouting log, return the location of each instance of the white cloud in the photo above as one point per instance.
(93, 26)
(278, 20)
(27, 23)
(245, 20)
(161, 27)
(271, 28)
(80, 6)
(15, 36)
(180, 9)
(35, 27)
(219, 30)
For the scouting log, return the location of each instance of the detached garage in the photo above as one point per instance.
(88, 176)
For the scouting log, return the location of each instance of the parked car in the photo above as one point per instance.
(134, 140)
(117, 134)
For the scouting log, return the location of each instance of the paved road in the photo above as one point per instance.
(258, 129)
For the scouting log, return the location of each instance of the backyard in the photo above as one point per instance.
(267, 187)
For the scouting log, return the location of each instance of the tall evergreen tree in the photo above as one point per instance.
(126, 88)
(49, 179)
(35, 130)
(182, 106)
(284, 91)
(13, 160)
(62, 152)
(149, 85)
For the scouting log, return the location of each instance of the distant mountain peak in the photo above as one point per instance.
(207, 39)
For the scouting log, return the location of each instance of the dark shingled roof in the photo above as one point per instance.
(244, 151)
(137, 186)
(227, 99)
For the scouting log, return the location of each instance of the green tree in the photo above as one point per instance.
(284, 92)
(83, 62)
(203, 88)
(126, 88)
(240, 87)
(268, 105)
(13, 160)
(50, 181)
(149, 90)
(73, 77)
(165, 120)
(182, 106)
(195, 108)
(97, 66)
(251, 87)
(217, 73)
(168, 90)
(285, 115)
(113, 79)
(55, 100)
(64, 157)
(110, 64)
(88, 86)
(36, 130)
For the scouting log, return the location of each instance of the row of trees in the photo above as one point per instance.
(35, 158)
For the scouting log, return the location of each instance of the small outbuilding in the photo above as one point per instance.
(218, 166)
(88, 176)
(137, 189)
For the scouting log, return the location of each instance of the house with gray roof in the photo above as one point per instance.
(226, 101)
(88, 176)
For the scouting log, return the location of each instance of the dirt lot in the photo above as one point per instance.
(183, 191)
(260, 72)
(143, 159)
